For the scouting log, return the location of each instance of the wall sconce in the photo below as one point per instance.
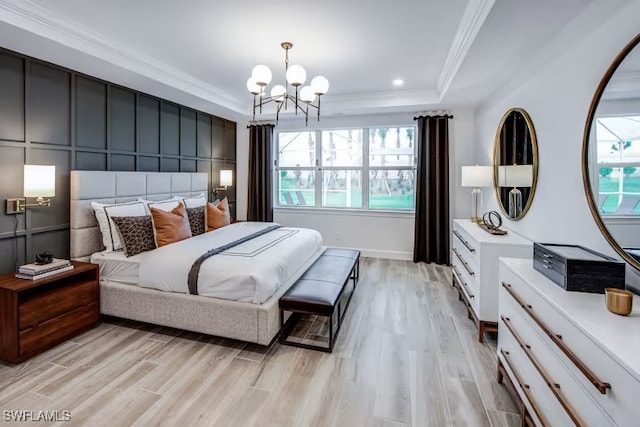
(226, 180)
(39, 182)
(476, 177)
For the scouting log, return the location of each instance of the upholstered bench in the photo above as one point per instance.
(321, 291)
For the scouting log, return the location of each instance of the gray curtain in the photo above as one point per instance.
(260, 206)
(431, 237)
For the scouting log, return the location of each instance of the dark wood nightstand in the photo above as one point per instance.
(36, 315)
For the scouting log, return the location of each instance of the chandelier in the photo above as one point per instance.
(284, 95)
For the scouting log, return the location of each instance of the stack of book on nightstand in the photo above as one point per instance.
(38, 271)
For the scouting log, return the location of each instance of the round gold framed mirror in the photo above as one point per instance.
(515, 163)
(611, 154)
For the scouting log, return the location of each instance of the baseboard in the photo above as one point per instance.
(374, 253)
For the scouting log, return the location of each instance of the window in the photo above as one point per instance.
(333, 168)
(618, 164)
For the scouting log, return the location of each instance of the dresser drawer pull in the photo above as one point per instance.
(547, 255)
(457, 275)
(557, 339)
(464, 242)
(524, 387)
(554, 387)
(464, 263)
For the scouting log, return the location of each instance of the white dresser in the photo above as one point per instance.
(570, 361)
(474, 259)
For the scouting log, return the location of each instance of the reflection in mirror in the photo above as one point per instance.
(515, 161)
(611, 154)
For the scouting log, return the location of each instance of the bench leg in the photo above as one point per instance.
(331, 337)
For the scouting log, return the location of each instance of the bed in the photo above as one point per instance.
(235, 307)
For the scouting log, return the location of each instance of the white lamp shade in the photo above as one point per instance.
(261, 74)
(477, 176)
(307, 95)
(515, 176)
(320, 85)
(39, 181)
(226, 177)
(277, 92)
(253, 87)
(296, 75)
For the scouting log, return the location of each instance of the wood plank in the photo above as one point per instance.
(503, 419)
(482, 360)
(428, 399)
(393, 394)
(465, 404)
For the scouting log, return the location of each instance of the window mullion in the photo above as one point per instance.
(318, 189)
(365, 168)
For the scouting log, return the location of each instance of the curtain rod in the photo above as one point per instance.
(260, 123)
(445, 115)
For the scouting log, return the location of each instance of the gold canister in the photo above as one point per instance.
(619, 301)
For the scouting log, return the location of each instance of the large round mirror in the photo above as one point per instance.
(611, 154)
(515, 163)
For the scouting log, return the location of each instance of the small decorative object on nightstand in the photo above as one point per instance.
(36, 315)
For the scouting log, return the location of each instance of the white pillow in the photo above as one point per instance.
(164, 205)
(104, 212)
(195, 201)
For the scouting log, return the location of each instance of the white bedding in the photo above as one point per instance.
(251, 271)
(116, 267)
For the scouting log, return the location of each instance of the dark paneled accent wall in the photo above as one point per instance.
(54, 116)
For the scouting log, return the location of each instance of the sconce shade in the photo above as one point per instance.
(515, 176)
(226, 177)
(477, 176)
(39, 181)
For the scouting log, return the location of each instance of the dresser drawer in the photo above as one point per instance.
(606, 381)
(56, 301)
(578, 405)
(467, 244)
(469, 282)
(467, 262)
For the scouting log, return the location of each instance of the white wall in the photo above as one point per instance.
(386, 235)
(557, 93)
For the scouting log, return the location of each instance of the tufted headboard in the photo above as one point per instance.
(119, 187)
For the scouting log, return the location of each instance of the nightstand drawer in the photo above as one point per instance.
(56, 330)
(56, 301)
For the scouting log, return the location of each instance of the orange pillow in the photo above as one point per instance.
(218, 215)
(170, 227)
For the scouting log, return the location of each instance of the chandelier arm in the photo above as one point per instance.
(319, 96)
(254, 107)
(278, 112)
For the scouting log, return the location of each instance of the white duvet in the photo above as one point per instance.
(251, 271)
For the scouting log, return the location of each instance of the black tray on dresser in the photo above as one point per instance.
(576, 268)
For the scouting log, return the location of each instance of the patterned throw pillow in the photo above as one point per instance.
(197, 220)
(136, 233)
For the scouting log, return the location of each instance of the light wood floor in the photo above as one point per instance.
(407, 355)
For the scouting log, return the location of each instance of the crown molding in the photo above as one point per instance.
(473, 18)
(31, 17)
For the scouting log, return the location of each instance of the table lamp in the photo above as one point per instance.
(476, 177)
(515, 176)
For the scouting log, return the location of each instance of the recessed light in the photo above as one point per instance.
(398, 82)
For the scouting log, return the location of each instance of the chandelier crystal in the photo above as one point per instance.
(292, 92)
